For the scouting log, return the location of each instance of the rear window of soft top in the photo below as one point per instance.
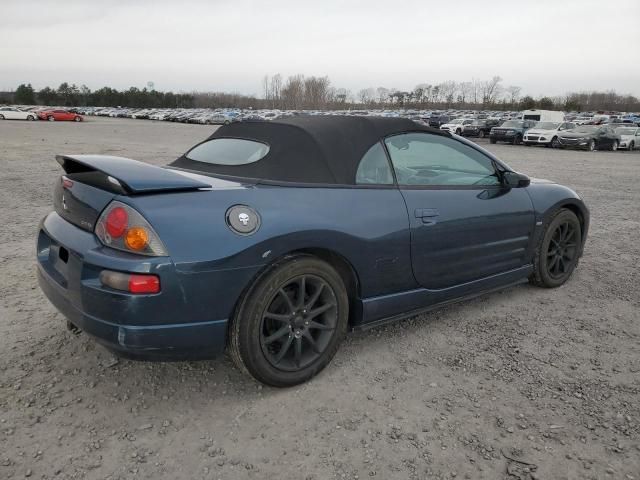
(228, 151)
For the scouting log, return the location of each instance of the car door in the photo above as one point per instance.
(465, 225)
(10, 114)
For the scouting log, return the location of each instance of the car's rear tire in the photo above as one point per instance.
(290, 323)
(632, 146)
(591, 145)
(614, 146)
(77, 119)
(558, 250)
(1, 117)
(51, 118)
(555, 143)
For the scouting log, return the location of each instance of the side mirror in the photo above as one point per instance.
(515, 180)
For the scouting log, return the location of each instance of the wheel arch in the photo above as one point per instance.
(338, 262)
(578, 208)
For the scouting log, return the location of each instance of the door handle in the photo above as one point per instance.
(428, 215)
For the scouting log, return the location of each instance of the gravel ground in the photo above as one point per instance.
(522, 384)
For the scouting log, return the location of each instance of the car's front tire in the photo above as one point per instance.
(614, 146)
(592, 145)
(632, 146)
(558, 250)
(30, 118)
(51, 119)
(290, 323)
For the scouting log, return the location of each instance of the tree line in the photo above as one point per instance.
(73, 96)
(298, 92)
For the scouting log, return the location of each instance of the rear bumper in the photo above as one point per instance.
(171, 342)
(187, 319)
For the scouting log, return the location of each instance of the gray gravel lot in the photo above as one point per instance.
(522, 384)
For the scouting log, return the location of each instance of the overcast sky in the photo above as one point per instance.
(544, 46)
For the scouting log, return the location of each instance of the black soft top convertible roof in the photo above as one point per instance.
(306, 149)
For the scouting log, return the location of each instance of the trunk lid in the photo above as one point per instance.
(92, 181)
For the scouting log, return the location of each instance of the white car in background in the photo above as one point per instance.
(629, 138)
(457, 126)
(11, 113)
(546, 133)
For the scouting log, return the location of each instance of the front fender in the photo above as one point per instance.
(548, 197)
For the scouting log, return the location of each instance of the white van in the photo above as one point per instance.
(543, 115)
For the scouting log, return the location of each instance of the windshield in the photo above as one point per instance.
(228, 151)
(512, 123)
(626, 131)
(547, 125)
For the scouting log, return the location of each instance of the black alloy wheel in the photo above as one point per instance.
(558, 251)
(290, 323)
(562, 250)
(554, 142)
(614, 146)
(298, 323)
(591, 145)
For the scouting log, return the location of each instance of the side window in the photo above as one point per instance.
(426, 159)
(374, 168)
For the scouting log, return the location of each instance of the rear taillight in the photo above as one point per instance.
(123, 228)
(130, 282)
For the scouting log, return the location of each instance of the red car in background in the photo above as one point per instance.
(59, 115)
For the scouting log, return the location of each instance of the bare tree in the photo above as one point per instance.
(491, 89)
(514, 93)
(465, 90)
(383, 94)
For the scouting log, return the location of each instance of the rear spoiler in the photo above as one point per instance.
(125, 176)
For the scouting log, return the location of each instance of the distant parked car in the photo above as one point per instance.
(546, 133)
(11, 113)
(437, 121)
(590, 137)
(59, 116)
(511, 131)
(456, 126)
(479, 128)
(629, 137)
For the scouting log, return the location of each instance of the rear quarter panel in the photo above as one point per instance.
(367, 227)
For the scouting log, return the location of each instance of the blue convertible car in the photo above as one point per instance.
(274, 238)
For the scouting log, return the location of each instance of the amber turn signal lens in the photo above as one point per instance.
(136, 238)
